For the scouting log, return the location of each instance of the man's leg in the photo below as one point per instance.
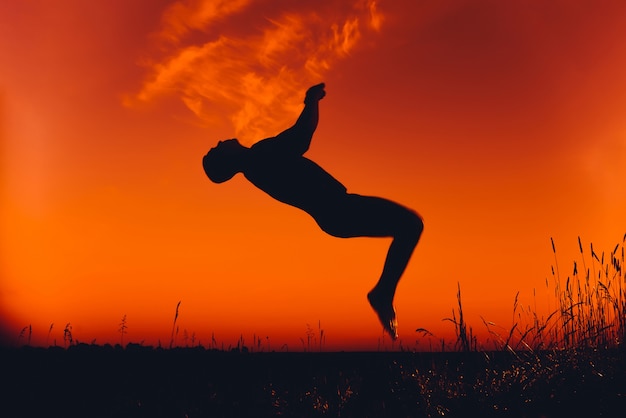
(381, 296)
(362, 216)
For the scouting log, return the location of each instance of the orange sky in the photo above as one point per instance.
(501, 123)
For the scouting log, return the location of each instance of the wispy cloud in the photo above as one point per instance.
(250, 61)
(183, 17)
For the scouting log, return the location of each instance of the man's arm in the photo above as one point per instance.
(298, 137)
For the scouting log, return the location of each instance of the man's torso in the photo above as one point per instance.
(292, 178)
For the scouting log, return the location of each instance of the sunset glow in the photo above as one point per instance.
(501, 123)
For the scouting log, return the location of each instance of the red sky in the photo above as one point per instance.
(501, 123)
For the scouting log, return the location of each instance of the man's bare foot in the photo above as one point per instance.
(385, 311)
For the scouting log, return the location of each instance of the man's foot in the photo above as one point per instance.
(386, 313)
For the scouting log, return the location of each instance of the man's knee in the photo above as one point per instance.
(414, 226)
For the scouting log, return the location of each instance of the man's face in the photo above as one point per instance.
(220, 162)
(227, 147)
(228, 144)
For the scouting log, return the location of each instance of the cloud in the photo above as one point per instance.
(251, 61)
(182, 17)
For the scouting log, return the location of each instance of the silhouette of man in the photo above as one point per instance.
(277, 166)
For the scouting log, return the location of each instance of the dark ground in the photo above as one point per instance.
(105, 381)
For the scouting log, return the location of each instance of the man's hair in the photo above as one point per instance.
(218, 166)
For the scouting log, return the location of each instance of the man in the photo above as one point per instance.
(277, 166)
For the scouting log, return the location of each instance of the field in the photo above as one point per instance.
(571, 363)
(106, 381)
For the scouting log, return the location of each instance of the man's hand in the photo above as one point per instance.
(315, 93)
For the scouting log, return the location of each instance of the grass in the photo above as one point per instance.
(590, 310)
(107, 381)
(570, 361)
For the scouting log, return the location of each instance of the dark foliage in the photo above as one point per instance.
(105, 381)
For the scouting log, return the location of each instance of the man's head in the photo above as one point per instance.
(224, 161)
